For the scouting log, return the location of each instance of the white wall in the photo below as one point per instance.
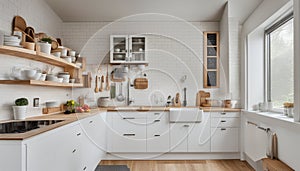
(39, 16)
(175, 49)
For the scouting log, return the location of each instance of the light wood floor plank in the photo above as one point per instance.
(182, 165)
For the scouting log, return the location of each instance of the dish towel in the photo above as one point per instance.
(272, 148)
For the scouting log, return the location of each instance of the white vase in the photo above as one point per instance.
(20, 112)
(45, 48)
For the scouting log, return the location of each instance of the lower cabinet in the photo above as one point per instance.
(191, 137)
(76, 146)
(225, 130)
(127, 133)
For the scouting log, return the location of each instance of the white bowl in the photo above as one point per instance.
(37, 76)
(29, 73)
(63, 76)
(51, 77)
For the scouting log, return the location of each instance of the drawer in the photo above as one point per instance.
(128, 115)
(225, 140)
(130, 128)
(225, 122)
(157, 114)
(225, 114)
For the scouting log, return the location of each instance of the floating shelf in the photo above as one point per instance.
(129, 62)
(36, 56)
(41, 83)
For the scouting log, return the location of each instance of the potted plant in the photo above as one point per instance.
(20, 108)
(45, 45)
(71, 104)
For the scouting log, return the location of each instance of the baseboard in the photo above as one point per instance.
(171, 156)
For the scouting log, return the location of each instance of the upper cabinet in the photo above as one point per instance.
(211, 72)
(128, 49)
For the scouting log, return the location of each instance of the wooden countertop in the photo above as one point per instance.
(68, 118)
(158, 108)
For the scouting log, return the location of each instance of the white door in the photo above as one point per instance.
(199, 135)
(119, 48)
(179, 137)
(225, 140)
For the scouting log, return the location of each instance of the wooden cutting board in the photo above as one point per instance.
(141, 83)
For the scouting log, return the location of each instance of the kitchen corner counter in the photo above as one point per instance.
(67, 119)
(162, 108)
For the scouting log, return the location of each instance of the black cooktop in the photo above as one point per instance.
(24, 126)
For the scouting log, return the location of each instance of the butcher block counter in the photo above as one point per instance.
(67, 119)
(162, 108)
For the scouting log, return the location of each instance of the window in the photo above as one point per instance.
(280, 62)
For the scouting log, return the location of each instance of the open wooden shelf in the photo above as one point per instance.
(41, 83)
(36, 56)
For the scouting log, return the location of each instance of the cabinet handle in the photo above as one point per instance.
(186, 125)
(157, 120)
(91, 121)
(223, 113)
(78, 134)
(84, 168)
(223, 121)
(74, 151)
(129, 118)
(223, 129)
(129, 135)
(130, 50)
(156, 113)
(157, 135)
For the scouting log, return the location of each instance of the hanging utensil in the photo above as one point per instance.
(102, 84)
(184, 97)
(120, 97)
(107, 80)
(96, 85)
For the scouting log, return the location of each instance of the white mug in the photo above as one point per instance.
(64, 52)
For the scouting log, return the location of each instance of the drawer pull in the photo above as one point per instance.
(78, 134)
(156, 113)
(186, 126)
(91, 121)
(223, 121)
(157, 120)
(129, 135)
(84, 168)
(129, 118)
(223, 113)
(223, 129)
(157, 135)
(74, 151)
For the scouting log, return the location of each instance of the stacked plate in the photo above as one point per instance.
(12, 41)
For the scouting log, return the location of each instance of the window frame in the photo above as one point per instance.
(267, 69)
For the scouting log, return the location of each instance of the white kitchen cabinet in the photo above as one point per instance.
(127, 132)
(128, 49)
(225, 128)
(55, 150)
(191, 137)
(158, 137)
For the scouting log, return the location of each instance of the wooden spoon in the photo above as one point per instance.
(96, 85)
(107, 80)
(102, 84)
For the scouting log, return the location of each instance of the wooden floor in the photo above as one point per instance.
(182, 165)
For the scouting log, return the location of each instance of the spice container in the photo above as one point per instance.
(113, 90)
(288, 109)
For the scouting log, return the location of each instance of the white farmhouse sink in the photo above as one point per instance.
(185, 114)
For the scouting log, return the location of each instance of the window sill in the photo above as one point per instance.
(271, 117)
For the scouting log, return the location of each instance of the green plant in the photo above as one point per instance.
(47, 39)
(21, 102)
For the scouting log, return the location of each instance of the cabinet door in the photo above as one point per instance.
(199, 135)
(55, 150)
(118, 48)
(158, 137)
(225, 122)
(137, 48)
(93, 141)
(225, 140)
(128, 135)
(179, 137)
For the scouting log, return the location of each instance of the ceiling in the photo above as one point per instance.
(110, 10)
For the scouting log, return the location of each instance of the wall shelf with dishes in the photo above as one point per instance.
(73, 70)
(128, 49)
